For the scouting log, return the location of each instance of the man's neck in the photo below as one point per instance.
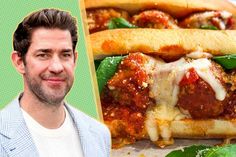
(49, 116)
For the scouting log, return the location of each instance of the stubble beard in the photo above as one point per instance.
(45, 96)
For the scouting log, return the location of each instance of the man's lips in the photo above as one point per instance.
(54, 80)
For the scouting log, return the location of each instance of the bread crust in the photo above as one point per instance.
(185, 128)
(176, 8)
(167, 43)
(206, 128)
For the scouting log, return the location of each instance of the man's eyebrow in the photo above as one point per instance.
(44, 50)
(50, 50)
(67, 50)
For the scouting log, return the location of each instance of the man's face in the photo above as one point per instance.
(50, 63)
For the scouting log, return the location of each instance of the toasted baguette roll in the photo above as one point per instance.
(198, 129)
(207, 128)
(169, 44)
(185, 128)
(176, 8)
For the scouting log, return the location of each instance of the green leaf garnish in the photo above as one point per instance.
(205, 151)
(190, 151)
(225, 151)
(119, 23)
(208, 27)
(106, 70)
(227, 61)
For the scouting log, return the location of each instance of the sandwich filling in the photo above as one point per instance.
(146, 94)
(99, 18)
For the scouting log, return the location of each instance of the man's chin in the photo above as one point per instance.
(55, 98)
(51, 95)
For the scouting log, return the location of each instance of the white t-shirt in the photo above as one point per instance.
(61, 142)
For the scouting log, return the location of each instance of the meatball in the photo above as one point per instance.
(197, 98)
(98, 18)
(129, 85)
(154, 19)
(125, 99)
(219, 19)
(230, 101)
(230, 106)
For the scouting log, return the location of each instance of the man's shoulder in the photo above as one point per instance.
(10, 116)
(6, 120)
(10, 109)
(92, 130)
(92, 122)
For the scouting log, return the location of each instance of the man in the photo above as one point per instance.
(39, 123)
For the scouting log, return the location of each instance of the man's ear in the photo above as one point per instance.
(76, 56)
(18, 62)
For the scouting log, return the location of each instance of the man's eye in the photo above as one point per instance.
(67, 55)
(43, 55)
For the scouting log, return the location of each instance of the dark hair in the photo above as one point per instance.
(46, 18)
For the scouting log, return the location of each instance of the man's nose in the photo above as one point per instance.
(56, 65)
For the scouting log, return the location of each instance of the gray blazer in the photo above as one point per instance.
(15, 139)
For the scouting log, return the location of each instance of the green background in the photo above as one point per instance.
(12, 12)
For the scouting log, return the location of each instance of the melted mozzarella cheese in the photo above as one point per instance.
(199, 54)
(151, 126)
(166, 78)
(158, 120)
(225, 14)
(164, 88)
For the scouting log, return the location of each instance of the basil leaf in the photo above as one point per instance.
(190, 151)
(227, 61)
(106, 70)
(119, 23)
(225, 151)
(205, 151)
(208, 27)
